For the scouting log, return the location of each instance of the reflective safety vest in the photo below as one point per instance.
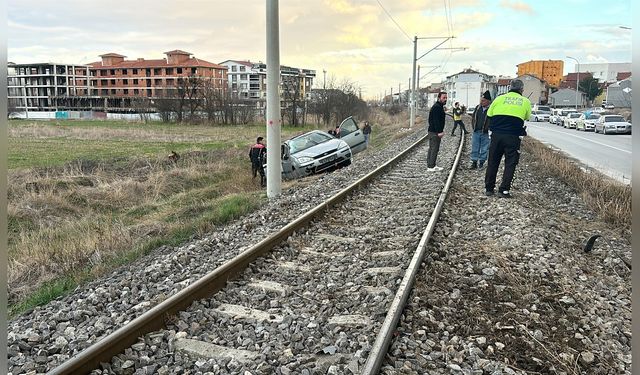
(508, 113)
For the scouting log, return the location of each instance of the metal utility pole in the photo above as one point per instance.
(391, 95)
(577, 78)
(409, 97)
(399, 95)
(415, 60)
(324, 79)
(274, 166)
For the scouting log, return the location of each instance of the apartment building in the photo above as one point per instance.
(115, 81)
(47, 86)
(248, 80)
(604, 72)
(243, 81)
(468, 86)
(550, 71)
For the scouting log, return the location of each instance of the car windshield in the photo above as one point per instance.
(613, 119)
(574, 115)
(593, 117)
(308, 140)
(545, 109)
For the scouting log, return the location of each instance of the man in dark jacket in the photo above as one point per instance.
(257, 154)
(480, 138)
(435, 131)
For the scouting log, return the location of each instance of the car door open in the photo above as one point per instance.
(350, 133)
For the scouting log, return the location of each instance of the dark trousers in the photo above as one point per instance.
(259, 168)
(434, 147)
(509, 146)
(457, 123)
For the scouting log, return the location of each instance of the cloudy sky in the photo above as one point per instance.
(366, 41)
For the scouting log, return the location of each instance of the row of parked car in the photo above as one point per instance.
(594, 119)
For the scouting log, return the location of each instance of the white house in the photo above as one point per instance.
(620, 93)
(605, 72)
(535, 89)
(468, 86)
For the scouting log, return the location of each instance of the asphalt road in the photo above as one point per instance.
(610, 154)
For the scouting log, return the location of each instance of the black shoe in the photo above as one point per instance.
(504, 194)
(474, 165)
(489, 193)
(481, 164)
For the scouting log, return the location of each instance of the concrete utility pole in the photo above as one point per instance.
(274, 166)
(412, 120)
(577, 78)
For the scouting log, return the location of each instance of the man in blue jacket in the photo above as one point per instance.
(507, 115)
(435, 131)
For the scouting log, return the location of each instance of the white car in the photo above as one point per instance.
(539, 116)
(587, 121)
(612, 124)
(570, 120)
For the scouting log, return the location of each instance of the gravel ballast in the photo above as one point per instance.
(507, 289)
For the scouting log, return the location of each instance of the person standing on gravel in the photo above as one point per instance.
(367, 132)
(480, 126)
(435, 131)
(507, 115)
(457, 120)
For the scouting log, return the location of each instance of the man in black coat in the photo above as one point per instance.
(435, 131)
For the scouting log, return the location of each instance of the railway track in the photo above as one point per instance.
(310, 298)
(323, 294)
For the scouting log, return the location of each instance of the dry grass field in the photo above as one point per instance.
(88, 196)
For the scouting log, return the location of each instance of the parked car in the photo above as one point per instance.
(570, 120)
(606, 105)
(587, 121)
(317, 151)
(539, 116)
(612, 124)
(555, 116)
(470, 110)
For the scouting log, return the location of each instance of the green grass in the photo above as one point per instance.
(49, 144)
(220, 211)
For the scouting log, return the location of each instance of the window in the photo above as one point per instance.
(179, 70)
(105, 92)
(242, 68)
(113, 72)
(136, 91)
(243, 76)
(125, 81)
(135, 71)
(148, 92)
(103, 82)
(156, 72)
(126, 91)
(157, 82)
(168, 71)
(113, 81)
(135, 81)
(103, 72)
(113, 91)
(124, 72)
(234, 78)
(348, 127)
(194, 70)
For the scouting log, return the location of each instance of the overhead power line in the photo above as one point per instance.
(394, 21)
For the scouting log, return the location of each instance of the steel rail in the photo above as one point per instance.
(381, 345)
(154, 319)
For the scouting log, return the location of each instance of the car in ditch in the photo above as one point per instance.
(587, 121)
(612, 124)
(318, 151)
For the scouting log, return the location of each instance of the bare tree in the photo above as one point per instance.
(188, 95)
(292, 98)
